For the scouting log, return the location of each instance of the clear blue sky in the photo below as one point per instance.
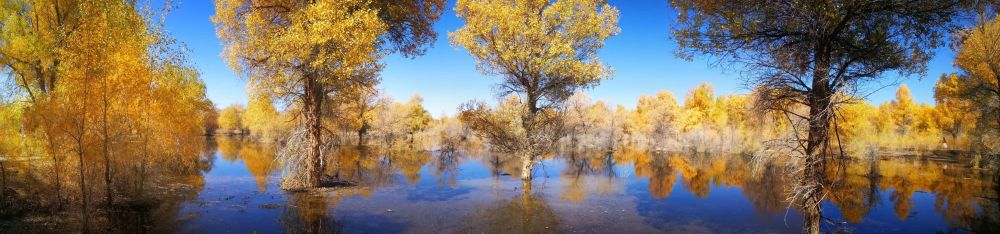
(642, 56)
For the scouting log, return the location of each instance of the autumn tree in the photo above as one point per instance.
(210, 119)
(104, 84)
(956, 115)
(699, 108)
(231, 119)
(262, 119)
(856, 121)
(978, 57)
(357, 111)
(904, 110)
(802, 53)
(304, 52)
(574, 115)
(657, 117)
(417, 118)
(543, 50)
(390, 121)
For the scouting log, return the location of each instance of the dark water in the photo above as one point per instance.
(625, 192)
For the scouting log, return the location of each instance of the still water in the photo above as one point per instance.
(624, 192)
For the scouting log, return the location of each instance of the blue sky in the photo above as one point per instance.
(642, 56)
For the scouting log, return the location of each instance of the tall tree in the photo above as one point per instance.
(802, 53)
(979, 59)
(305, 51)
(904, 110)
(541, 49)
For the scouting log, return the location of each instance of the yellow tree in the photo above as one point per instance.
(856, 121)
(34, 52)
(656, 116)
(698, 107)
(574, 116)
(210, 119)
(306, 51)
(904, 110)
(417, 118)
(955, 114)
(11, 113)
(96, 81)
(231, 119)
(262, 119)
(600, 123)
(544, 50)
(357, 110)
(35, 36)
(97, 68)
(979, 59)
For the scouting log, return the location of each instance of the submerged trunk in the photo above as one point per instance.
(527, 163)
(820, 116)
(313, 104)
(528, 154)
(361, 135)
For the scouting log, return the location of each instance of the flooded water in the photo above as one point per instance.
(625, 192)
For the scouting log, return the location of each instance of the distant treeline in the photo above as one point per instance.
(704, 122)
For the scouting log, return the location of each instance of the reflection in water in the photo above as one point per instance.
(308, 212)
(762, 193)
(526, 213)
(231, 185)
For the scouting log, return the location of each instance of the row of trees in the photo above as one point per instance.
(369, 120)
(98, 93)
(704, 122)
(728, 123)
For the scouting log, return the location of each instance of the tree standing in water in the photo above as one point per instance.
(542, 50)
(306, 51)
(802, 54)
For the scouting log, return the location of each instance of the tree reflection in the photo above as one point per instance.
(527, 213)
(445, 166)
(597, 169)
(662, 175)
(308, 212)
(765, 191)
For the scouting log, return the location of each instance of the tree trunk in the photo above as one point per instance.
(3, 184)
(58, 175)
(313, 105)
(528, 123)
(83, 186)
(527, 163)
(361, 135)
(820, 113)
(105, 141)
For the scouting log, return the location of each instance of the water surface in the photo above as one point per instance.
(597, 192)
